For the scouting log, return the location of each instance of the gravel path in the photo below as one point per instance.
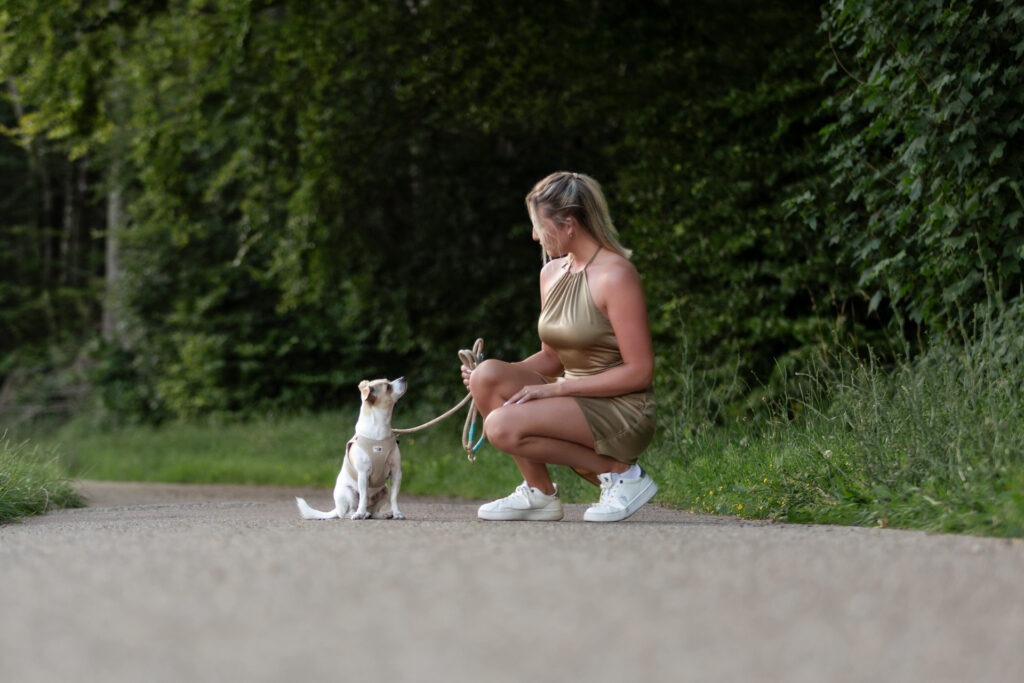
(211, 583)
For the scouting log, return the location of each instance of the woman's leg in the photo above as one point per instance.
(536, 433)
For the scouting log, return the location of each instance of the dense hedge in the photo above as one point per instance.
(314, 192)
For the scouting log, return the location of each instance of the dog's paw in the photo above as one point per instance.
(395, 515)
(360, 515)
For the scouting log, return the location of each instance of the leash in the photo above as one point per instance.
(470, 358)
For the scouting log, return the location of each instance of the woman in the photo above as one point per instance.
(584, 400)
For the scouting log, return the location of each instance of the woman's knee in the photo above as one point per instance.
(488, 373)
(488, 380)
(502, 430)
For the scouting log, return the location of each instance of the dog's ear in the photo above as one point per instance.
(364, 389)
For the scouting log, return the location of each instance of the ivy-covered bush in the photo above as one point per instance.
(926, 153)
(315, 192)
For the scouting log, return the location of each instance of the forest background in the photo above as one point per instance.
(242, 207)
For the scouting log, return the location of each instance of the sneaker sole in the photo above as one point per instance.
(620, 515)
(522, 515)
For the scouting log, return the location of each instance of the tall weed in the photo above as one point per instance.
(31, 482)
(932, 443)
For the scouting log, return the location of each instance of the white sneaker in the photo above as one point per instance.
(525, 503)
(620, 498)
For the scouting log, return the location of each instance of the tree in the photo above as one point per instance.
(55, 64)
(48, 249)
(317, 192)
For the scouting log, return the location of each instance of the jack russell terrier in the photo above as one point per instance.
(371, 459)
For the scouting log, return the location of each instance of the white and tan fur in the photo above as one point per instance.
(355, 496)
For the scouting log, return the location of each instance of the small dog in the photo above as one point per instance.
(371, 459)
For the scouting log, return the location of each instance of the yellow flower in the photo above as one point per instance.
(739, 506)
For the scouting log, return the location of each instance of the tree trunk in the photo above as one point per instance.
(112, 326)
(115, 225)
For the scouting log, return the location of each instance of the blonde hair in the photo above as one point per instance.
(564, 194)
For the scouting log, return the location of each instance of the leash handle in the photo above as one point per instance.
(471, 358)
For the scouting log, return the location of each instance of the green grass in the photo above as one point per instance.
(936, 443)
(31, 482)
(301, 450)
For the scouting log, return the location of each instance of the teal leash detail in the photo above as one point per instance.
(471, 358)
(475, 447)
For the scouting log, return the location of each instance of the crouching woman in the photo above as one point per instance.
(584, 400)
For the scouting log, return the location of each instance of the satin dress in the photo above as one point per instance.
(572, 324)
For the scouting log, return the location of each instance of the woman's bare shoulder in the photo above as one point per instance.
(615, 270)
(615, 280)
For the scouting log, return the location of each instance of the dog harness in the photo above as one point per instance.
(380, 451)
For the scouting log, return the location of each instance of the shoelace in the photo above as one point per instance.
(522, 491)
(607, 487)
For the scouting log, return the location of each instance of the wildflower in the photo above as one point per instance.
(828, 454)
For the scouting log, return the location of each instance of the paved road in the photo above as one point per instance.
(178, 583)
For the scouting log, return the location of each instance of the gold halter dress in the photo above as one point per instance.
(572, 324)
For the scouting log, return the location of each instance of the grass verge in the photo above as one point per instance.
(936, 443)
(31, 482)
(302, 450)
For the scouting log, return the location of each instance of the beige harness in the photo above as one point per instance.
(379, 451)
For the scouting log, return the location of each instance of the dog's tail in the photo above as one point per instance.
(311, 513)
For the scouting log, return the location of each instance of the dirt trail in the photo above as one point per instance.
(212, 583)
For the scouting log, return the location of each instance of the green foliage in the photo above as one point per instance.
(737, 283)
(31, 482)
(934, 443)
(298, 225)
(49, 256)
(319, 192)
(926, 152)
(298, 450)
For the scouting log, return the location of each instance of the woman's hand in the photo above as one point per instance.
(533, 392)
(466, 372)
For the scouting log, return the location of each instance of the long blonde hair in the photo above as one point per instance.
(564, 194)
